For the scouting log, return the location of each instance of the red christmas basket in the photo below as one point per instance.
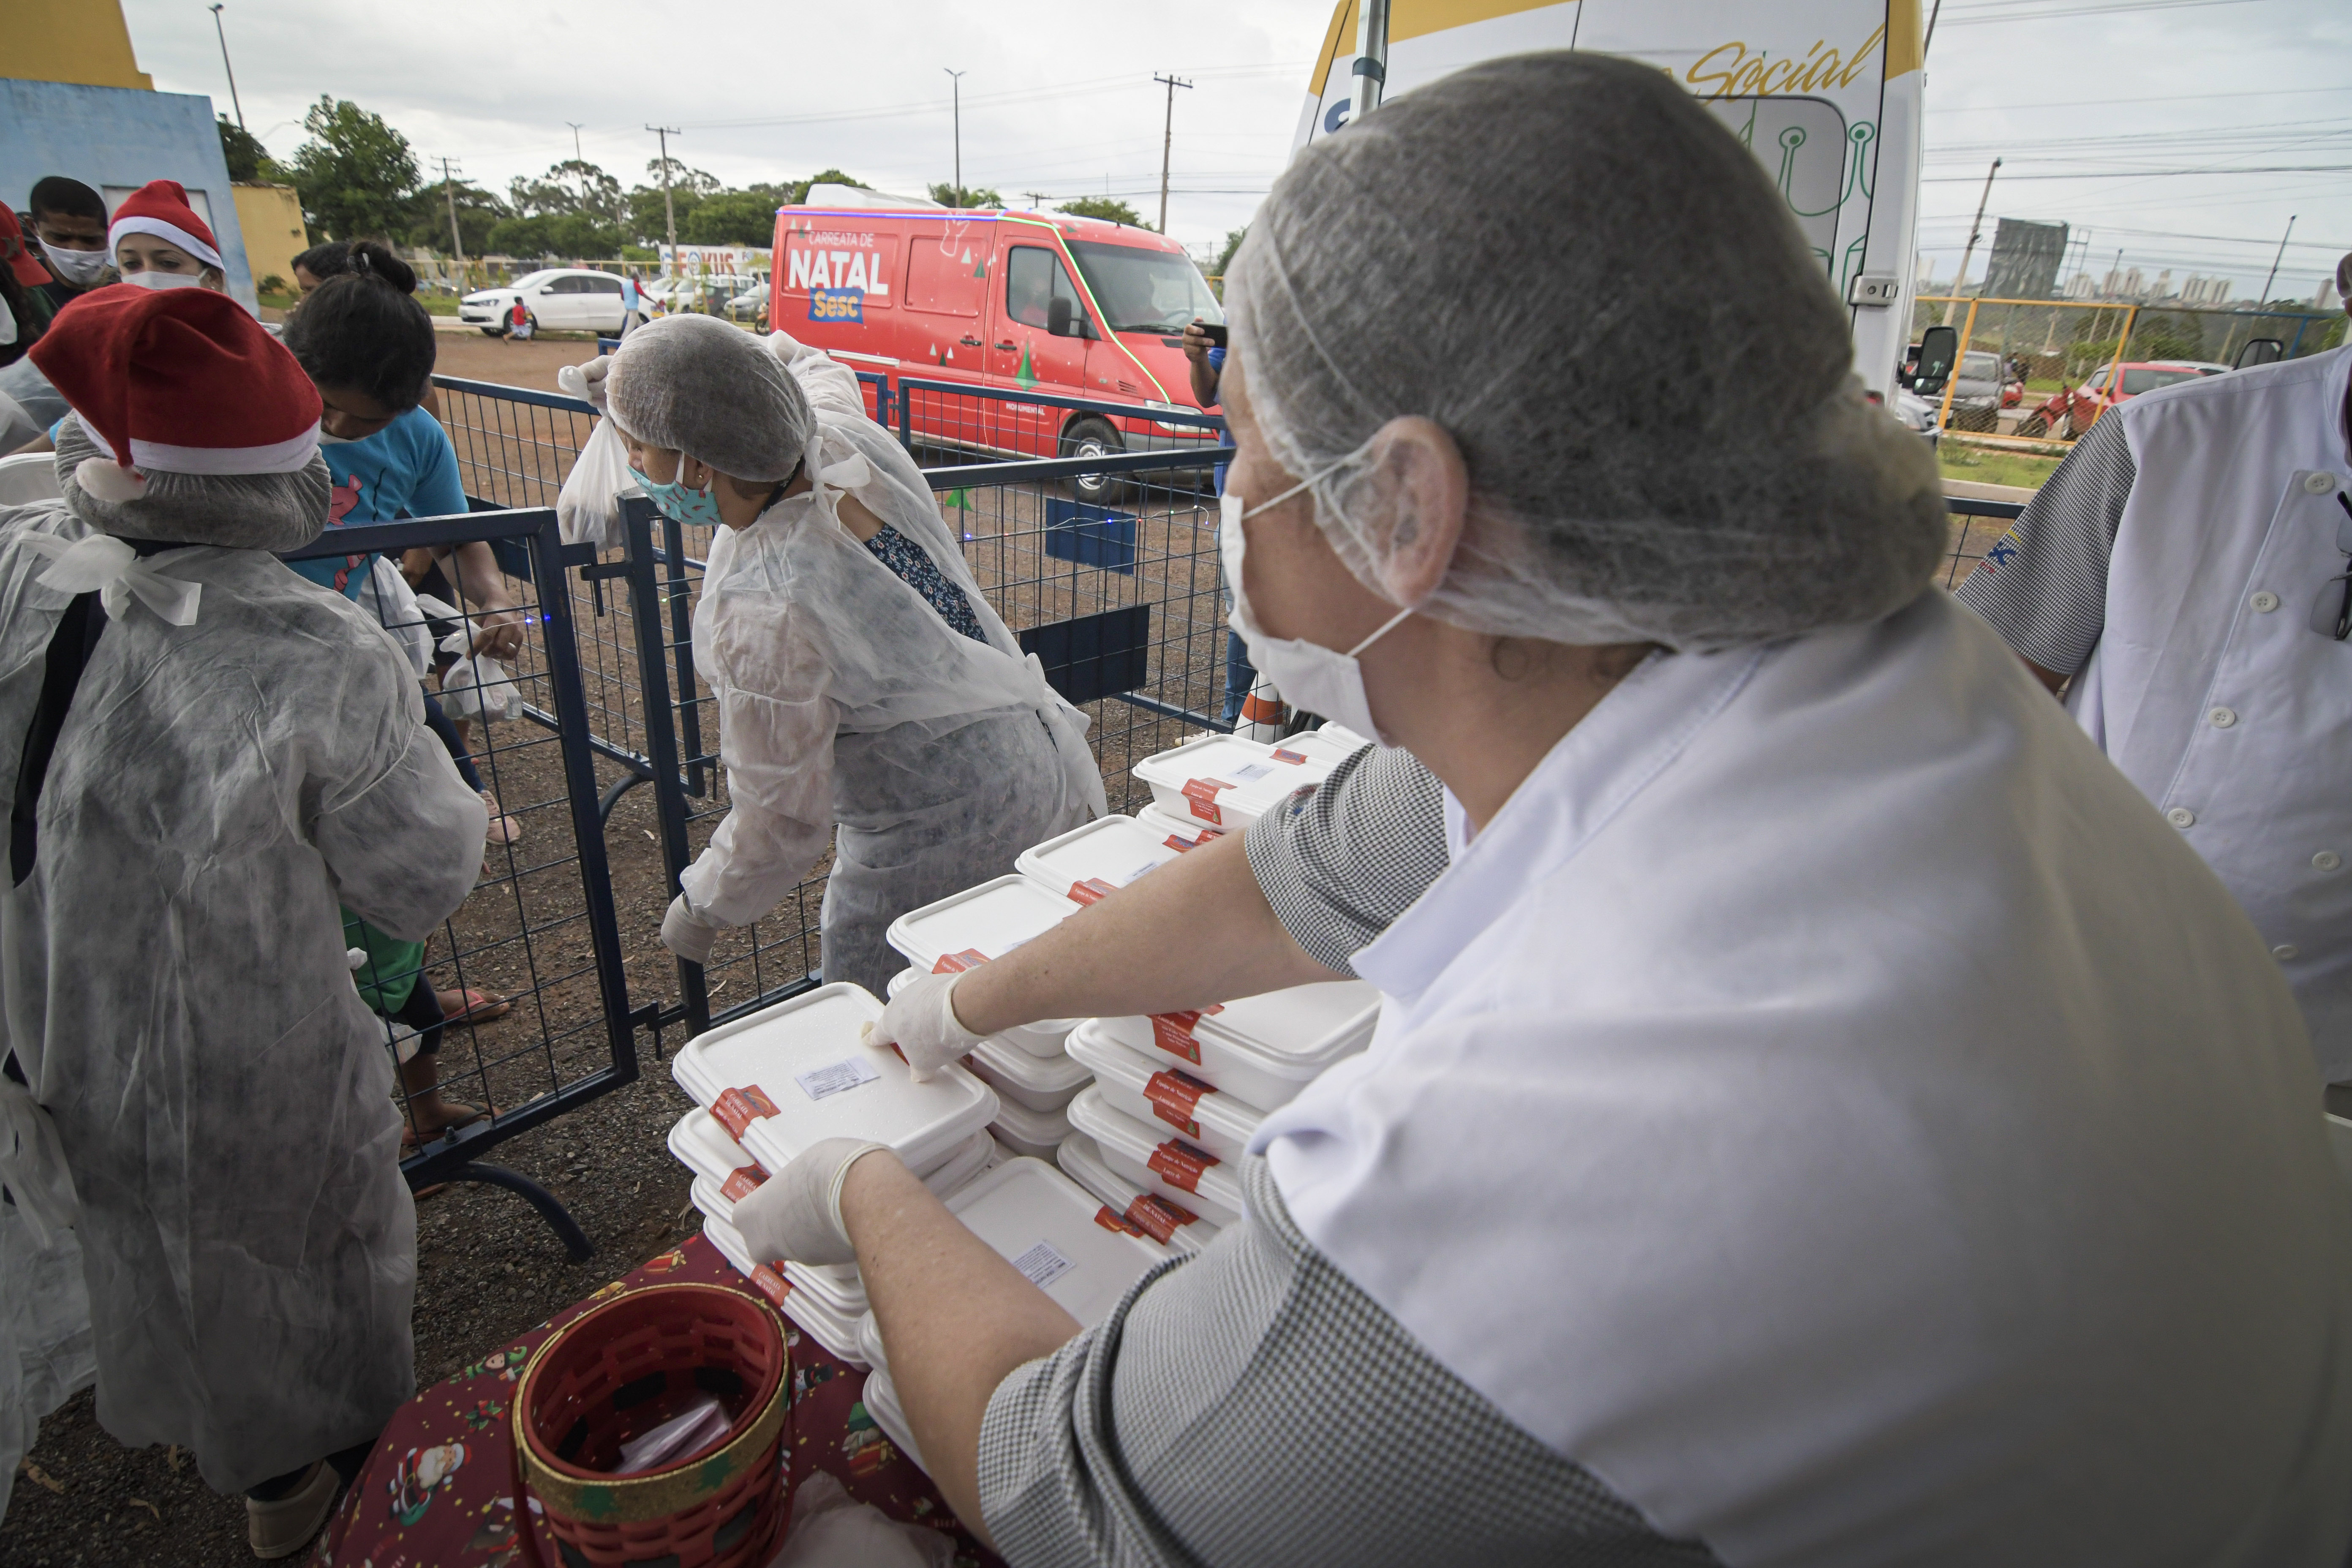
(622, 1369)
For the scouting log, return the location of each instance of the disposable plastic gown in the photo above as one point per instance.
(177, 992)
(844, 700)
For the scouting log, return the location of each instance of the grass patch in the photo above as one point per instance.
(1987, 465)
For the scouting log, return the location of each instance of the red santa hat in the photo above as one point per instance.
(160, 208)
(21, 261)
(178, 380)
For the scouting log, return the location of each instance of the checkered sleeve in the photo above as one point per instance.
(1251, 1404)
(1339, 861)
(2043, 585)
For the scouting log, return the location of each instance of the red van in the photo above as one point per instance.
(1019, 301)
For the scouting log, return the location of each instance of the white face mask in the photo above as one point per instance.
(79, 267)
(1309, 676)
(7, 324)
(154, 280)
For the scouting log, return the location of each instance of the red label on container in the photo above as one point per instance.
(1175, 1096)
(957, 962)
(1172, 1033)
(772, 1285)
(1181, 844)
(1109, 1221)
(1089, 889)
(1179, 1164)
(738, 1107)
(1282, 755)
(1201, 795)
(1157, 1217)
(741, 1182)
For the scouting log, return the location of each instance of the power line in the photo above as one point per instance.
(2073, 103)
(1990, 11)
(2097, 174)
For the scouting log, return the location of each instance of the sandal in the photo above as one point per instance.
(481, 1007)
(504, 830)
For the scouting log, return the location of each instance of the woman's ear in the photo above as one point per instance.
(1426, 486)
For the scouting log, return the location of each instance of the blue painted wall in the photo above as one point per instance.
(120, 136)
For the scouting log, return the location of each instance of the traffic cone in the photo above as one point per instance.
(1262, 714)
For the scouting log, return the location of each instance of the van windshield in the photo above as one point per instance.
(1145, 290)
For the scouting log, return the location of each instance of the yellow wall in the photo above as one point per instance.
(272, 217)
(84, 41)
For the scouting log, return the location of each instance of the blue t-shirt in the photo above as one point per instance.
(406, 469)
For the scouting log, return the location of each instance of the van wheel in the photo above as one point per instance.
(492, 333)
(1092, 439)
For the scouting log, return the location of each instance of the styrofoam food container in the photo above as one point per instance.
(1102, 856)
(1186, 829)
(880, 1397)
(1045, 1225)
(1343, 735)
(775, 1082)
(1034, 1134)
(838, 1282)
(984, 923)
(1177, 1227)
(869, 1343)
(1018, 1076)
(835, 1334)
(703, 1147)
(1156, 1162)
(837, 1285)
(1129, 1081)
(1261, 1049)
(1226, 781)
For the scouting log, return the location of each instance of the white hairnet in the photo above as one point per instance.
(709, 390)
(240, 512)
(1566, 262)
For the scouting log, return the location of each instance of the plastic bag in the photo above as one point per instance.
(828, 1531)
(387, 596)
(477, 686)
(588, 507)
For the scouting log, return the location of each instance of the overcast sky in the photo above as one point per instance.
(2094, 104)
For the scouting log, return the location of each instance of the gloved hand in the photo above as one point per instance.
(922, 1022)
(688, 934)
(586, 381)
(796, 1213)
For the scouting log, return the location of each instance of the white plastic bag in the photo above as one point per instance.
(388, 598)
(828, 1531)
(588, 507)
(477, 686)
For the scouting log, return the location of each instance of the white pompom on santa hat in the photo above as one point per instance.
(160, 208)
(180, 381)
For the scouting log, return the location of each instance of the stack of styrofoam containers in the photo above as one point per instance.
(1037, 1080)
(1046, 1226)
(771, 1084)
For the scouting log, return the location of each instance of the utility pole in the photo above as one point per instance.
(1976, 232)
(221, 34)
(577, 156)
(1034, 197)
(1168, 144)
(956, 80)
(669, 208)
(457, 243)
(1371, 57)
(2265, 298)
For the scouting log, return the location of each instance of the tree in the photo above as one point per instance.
(356, 175)
(831, 177)
(946, 195)
(479, 212)
(1232, 243)
(1103, 207)
(247, 159)
(735, 218)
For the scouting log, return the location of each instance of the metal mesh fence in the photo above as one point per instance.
(1977, 528)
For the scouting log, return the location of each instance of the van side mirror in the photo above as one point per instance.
(1940, 350)
(1058, 316)
(2260, 351)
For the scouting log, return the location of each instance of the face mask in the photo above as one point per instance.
(78, 267)
(1310, 677)
(681, 503)
(154, 280)
(7, 324)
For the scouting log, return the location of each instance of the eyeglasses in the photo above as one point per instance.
(2331, 612)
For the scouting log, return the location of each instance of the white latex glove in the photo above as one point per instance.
(922, 1022)
(586, 381)
(685, 933)
(796, 1213)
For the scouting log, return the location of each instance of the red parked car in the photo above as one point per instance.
(2069, 411)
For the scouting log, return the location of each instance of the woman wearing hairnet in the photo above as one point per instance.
(204, 752)
(862, 682)
(1820, 1115)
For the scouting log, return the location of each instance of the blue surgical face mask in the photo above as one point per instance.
(681, 502)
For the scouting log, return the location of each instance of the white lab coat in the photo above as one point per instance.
(2208, 686)
(175, 989)
(845, 700)
(1827, 1103)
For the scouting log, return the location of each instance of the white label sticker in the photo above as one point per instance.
(1042, 1265)
(1255, 771)
(1140, 870)
(821, 1081)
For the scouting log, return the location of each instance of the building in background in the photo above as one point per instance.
(272, 217)
(2203, 291)
(74, 101)
(2025, 258)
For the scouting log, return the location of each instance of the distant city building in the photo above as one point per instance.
(2081, 286)
(2025, 258)
(2202, 290)
(2131, 283)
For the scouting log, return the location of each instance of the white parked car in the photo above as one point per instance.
(561, 299)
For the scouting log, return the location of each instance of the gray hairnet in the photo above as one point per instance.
(709, 390)
(1566, 262)
(242, 511)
